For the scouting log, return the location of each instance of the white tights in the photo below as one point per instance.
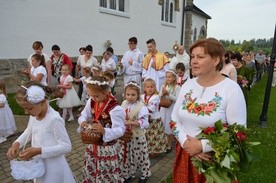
(70, 111)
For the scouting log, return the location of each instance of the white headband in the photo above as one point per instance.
(96, 82)
(148, 79)
(171, 71)
(35, 94)
(132, 83)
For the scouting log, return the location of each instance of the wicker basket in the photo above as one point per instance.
(127, 136)
(90, 137)
(165, 102)
(58, 93)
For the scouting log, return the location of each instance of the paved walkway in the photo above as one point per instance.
(161, 166)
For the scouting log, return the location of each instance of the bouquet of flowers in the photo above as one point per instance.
(231, 152)
(242, 81)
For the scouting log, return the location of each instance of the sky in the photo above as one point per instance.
(239, 19)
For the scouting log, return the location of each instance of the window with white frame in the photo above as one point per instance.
(115, 7)
(168, 11)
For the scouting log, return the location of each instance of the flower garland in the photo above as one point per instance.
(231, 152)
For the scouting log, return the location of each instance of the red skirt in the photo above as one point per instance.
(184, 171)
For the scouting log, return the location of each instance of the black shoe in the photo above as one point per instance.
(127, 180)
(144, 180)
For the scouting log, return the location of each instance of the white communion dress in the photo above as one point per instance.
(50, 134)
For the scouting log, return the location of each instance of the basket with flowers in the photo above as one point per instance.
(231, 153)
(89, 136)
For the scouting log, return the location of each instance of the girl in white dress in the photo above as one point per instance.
(70, 98)
(156, 137)
(170, 89)
(134, 154)
(38, 70)
(86, 72)
(49, 139)
(104, 116)
(7, 123)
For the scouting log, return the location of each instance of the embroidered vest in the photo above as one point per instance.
(136, 130)
(104, 118)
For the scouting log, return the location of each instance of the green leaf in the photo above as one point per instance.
(254, 143)
(226, 162)
(220, 177)
(218, 126)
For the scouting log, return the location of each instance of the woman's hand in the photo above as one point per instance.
(13, 151)
(203, 156)
(29, 153)
(192, 145)
(98, 127)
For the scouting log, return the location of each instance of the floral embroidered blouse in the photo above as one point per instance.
(199, 107)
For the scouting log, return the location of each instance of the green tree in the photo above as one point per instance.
(247, 46)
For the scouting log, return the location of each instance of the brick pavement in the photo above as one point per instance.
(161, 166)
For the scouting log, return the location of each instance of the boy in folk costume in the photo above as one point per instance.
(155, 65)
(134, 153)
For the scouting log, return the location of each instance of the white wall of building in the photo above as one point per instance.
(198, 22)
(72, 24)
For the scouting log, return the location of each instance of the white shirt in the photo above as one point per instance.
(230, 71)
(40, 70)
(152, 105)
(185, 59)
(136, 68)
(89, 63)
(108, 65)
(200, 107)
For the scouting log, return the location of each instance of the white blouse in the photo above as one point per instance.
(200, 107)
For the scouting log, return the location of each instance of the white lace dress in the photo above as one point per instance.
(7, 123)
(50, 134)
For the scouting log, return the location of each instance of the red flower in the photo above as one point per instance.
(209, 130)
(210, 107)
(225, 125)
(241, 136)
(198, 109)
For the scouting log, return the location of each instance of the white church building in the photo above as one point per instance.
(72, 24)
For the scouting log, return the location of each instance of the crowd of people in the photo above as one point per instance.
(164, 99)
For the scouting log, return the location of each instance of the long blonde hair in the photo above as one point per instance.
(3, 88)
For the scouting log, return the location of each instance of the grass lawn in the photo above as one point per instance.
(264, 167)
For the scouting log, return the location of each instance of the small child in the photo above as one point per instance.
(101, 160)
(156, 137)
(170, 89)
(38, 70)
(96, 70)
(111, 79)
(86, 72)
(180, 70)
(70, 98)
(134, 154)
(47, 133)
(7, 122)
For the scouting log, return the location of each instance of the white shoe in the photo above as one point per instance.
(71, 119)
(3, 139)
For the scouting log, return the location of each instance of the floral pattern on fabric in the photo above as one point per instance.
(202, 109)
(174, 129)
